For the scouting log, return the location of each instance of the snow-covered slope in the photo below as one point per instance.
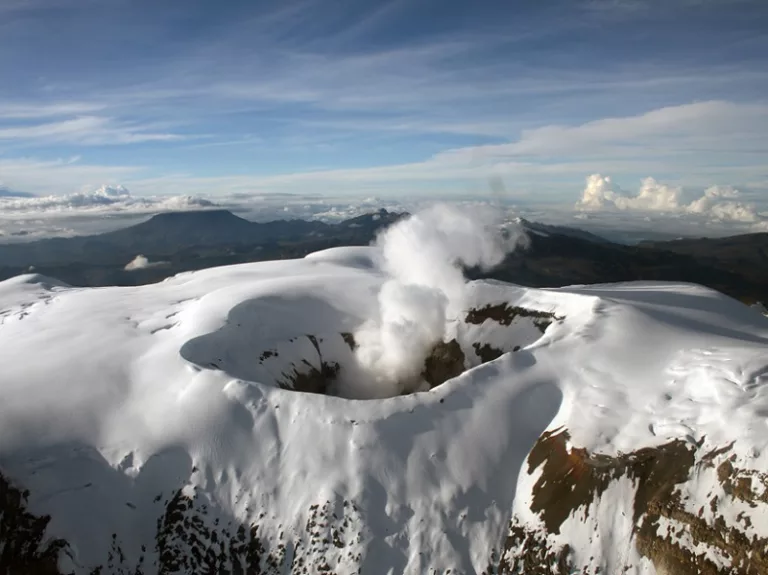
(161, 430)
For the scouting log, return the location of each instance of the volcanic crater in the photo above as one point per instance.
(284, 355)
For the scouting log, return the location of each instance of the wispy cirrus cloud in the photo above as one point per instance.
(713, 126)
(679, 140)
(700, 144)
(85, 130)
(386, 96)
(433, 79)
(60, 176)
(643, 7)
(16, 110)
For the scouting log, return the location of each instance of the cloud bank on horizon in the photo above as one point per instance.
(104, 200)
(604, 208)
(717, 202)
(382, 98)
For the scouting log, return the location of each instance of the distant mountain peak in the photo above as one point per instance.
(197, 216)
(548, 229)
(380, 217)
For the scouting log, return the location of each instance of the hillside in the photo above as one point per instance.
(183, 241)
(735, 254)
(557, 259)
(173, 232)
(169, 231)
(557, 255)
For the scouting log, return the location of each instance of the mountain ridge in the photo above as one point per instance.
(170, 232)
(557, 255)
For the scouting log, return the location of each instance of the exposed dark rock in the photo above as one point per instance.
(311, 379)
(738, 483)
(189, 542)
(506, 314)
(190, 538)
(529, 552)
(445, 362)
(486, 352)
(265, 355)
(572, 479)
(24, 547)
(349, 339)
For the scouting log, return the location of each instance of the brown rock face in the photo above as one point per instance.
(445, 362)
(572, 479)
(505, 314)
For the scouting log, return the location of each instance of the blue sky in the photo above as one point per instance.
(400, 98)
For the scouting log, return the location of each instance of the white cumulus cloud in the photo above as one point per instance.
(653, 196)
(717, 203)
(600, 192)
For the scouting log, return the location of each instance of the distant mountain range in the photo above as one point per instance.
(184, 241)
(169, 233)
(539, 229)
(735, 265)
(558, 255)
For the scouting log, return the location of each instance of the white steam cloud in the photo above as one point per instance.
(423, 256)
(718, 202)
(141, 262)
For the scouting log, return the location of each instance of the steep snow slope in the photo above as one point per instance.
(161, 429)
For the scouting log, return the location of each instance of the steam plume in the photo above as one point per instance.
(424, 256)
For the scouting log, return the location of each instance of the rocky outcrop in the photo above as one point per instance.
(666, 531)
(192, 536)
(506, 314)
(486, 352)
(445, 362)
(307, 377)
(24, 546)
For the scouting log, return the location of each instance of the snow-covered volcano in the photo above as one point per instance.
(167, 429)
